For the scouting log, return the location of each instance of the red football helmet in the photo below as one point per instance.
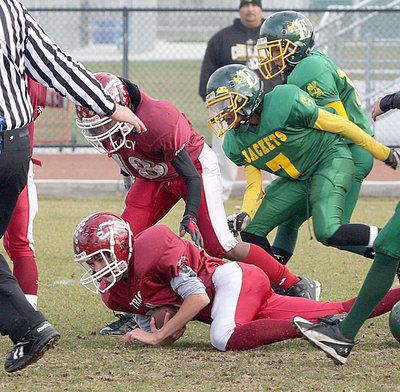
(105, 134)
(102, 235)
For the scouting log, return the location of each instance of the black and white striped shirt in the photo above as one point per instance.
(25, 47)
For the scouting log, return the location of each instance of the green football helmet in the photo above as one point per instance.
(231, 90)
(285, 37)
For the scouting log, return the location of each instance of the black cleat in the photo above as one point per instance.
(326, 336)
(125, 323)
(32, 347)
(332, 319)
(306, 288)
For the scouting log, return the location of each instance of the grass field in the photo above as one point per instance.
(85, 361)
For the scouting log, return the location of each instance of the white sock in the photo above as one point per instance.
(32, 299)
(373, 233)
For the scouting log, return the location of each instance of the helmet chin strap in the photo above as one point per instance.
(288, 69)
(243, 125)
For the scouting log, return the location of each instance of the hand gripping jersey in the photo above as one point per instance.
(158, 256)
(148, 155)
(326, 83)
(284, 142)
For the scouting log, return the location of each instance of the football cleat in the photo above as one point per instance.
(326, 336)
(126, 322)
(306, 288)
(332, 319)
(32, 347)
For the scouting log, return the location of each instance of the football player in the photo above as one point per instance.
(337, 340)
(286, 47)
(18, 239)
(285, 133)
(170, 161)
(156, 268)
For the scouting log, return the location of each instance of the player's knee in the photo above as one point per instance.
(360, 176)
(219, 338)
(238, 253)
(381, 247)
(23, 252)
(337, 238)
(363, 169)
(218, 344)
(330, 235)
(326, 236)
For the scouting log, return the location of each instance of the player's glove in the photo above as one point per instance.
(238, 222)
(393, 160)
(188, 225)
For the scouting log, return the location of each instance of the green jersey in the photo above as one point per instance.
(326, 83)
(284, 142)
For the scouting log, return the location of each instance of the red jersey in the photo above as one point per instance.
(158, 256)
(37, 94)
(148, 155)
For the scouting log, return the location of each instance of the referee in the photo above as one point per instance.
(25, 48)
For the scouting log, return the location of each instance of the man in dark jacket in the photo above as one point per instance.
(234, 44)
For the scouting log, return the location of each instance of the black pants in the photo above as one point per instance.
(17, 316)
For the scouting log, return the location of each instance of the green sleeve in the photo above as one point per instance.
(304, 111)
(324, 89)
(314, 75)
(329, 109)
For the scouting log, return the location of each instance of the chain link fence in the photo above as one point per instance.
(161, 49)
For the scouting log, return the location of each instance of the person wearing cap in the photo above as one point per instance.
(234, 44)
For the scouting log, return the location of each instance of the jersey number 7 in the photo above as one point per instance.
(283, 162)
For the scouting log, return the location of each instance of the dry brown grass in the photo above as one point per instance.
(85, 361)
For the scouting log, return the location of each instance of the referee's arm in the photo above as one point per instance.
(50, 66)
(46, 63)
